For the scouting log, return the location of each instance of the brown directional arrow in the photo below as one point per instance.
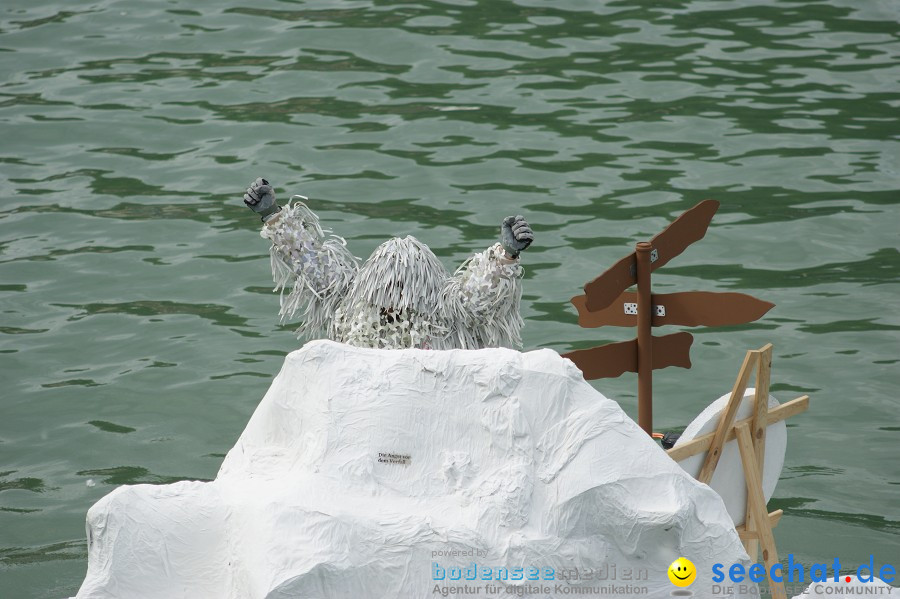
(689, 308)
(674, 239)
(606, 302)
(615, 359)
(688, 228)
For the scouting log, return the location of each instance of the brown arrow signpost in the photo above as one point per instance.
(606, 302)
(614, 359)
(674, 239)
(690, 309)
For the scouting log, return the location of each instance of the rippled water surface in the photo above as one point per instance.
(138, 325)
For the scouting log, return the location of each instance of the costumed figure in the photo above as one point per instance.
(402, 296)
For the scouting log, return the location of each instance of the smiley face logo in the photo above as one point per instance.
(682, 572)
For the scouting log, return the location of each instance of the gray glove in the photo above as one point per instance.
(515, 235)
(260, 198)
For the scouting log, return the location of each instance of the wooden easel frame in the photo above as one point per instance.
(750, 433)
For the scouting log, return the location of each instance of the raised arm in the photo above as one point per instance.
(316, 267)
(481, 299)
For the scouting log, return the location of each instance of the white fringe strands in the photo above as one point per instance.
(317, 269)
(395, 300)
(481, 301)
(401, 297)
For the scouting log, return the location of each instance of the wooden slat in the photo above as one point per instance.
(688, 228)
(761, 403)
(606, 361)
(757, 506)
(758, 424)
(701, 444)
(727, 418)
(614, 359)
(690, 308)
(745, 535)
(672, 350)
(603, 290)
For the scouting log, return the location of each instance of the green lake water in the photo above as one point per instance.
(138, 328)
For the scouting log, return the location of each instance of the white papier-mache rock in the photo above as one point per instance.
(360, 464)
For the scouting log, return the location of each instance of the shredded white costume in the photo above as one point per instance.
(401, 297)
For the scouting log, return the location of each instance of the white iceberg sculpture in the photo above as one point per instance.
(371, 473)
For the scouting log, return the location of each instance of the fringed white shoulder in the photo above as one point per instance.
(481, 301)
(316, 266)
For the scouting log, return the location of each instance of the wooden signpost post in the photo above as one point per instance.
(606, 302)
